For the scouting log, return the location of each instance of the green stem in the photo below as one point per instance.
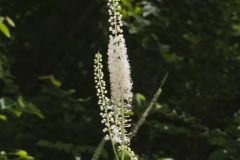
(98, 151)
(122, 127)
(122, 156)
(114, 150)
(115, 21)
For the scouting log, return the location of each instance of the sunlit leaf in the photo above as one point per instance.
(21, 153)
(236, 27)
(140, 98)
(24, 155)
(6, 103)
(130, 113)
(17, 113)
(158, 106)
(5, 30)
(21, 102)
(10, 21)
(55, 82)
(3, 117)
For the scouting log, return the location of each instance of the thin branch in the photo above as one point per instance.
(98, 151)
(149, 108)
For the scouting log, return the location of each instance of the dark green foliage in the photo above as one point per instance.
(47, 97)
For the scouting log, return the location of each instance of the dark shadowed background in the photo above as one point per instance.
(48, 107)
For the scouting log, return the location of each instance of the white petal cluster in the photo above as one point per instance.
(115, 110)
(119, 69)
(106, 108)
(121, 84)
(115, 19)
(110, 113)
(120, 79)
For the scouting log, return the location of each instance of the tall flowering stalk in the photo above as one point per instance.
(115, 110)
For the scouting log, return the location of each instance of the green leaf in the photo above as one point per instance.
(24, 155)
(21, 153)
(5, 30)
(10, 21)
(6, 103)
(236, 27)
(3, 117)
(158, 106)
(20, 101)
(34, 109)
(55, 82)
(28, 107)
(130, 113)
(170, 57)
(1, 19)
(191, 38)
(217, 141)
(3, 155)
(138, 10)
(17, 113)
(2, 103)
(140, 99)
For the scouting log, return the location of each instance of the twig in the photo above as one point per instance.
(98, 151)
(149, 108)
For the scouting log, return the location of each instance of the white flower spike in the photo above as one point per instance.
(115, 110)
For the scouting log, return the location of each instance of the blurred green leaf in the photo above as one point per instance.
(5, 30)
(236, 27)
(28, 107)
(130, 113)
(24, 155)
(17, 113)
(140, 99)
(55, 82)
(217, 141)
(3, 117)
(158, 106)
(1, 19)
(6, 103)
(3, 155)
(21, 102)
(10, 21)
(35, 110)
(193, 38)
(170, 57)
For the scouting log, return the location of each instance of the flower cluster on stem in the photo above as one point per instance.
(119, 69)
(115, 110)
